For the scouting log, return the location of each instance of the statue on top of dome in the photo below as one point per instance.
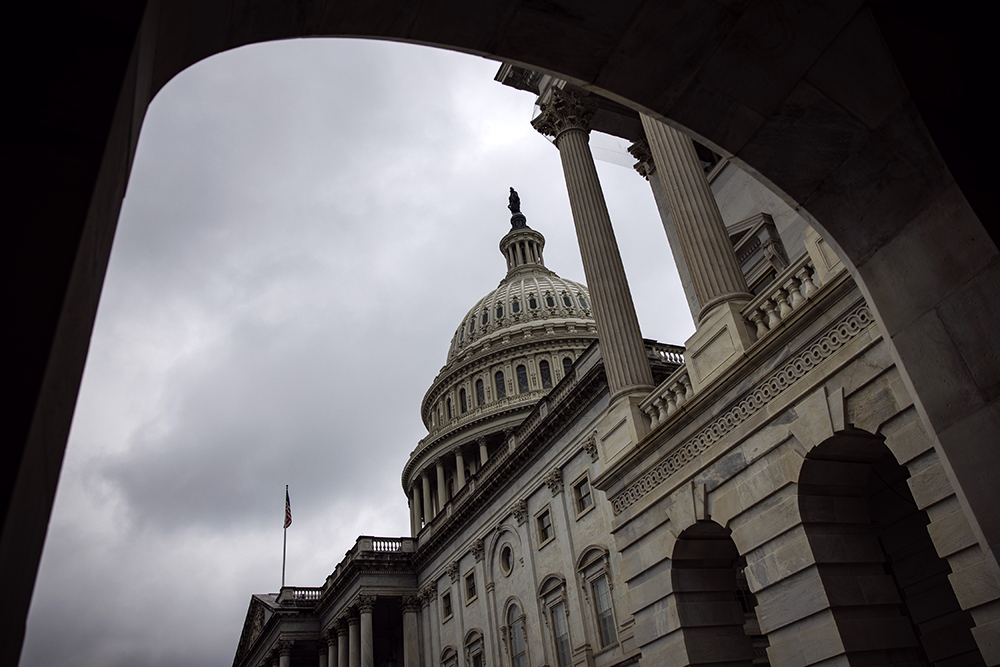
(515, 202)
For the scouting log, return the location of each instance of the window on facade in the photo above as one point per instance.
(446, 606)
(474, 648)
(546, 373)
(560, 632)
(449, 658)
(461, 332)
(532, 303)
(499, 311)
(522, 379)
(581, 494)
(506, 559)
(501, 385)
(567, 301)
(544, 521)
(472, 324)
(448, 404)
(567, 365)
(486, 318)
(550, 302)
(583, 303)
(463, 401)
(515, 630)
(470, 586)
(515, 306)
(604, 612)
(480, 392)
(477, 660)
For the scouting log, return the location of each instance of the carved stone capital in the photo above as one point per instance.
(520, 511)
(554, 481)
(565, 111)
(590, 446)
(366, 603)
(478, 549)
(640, 151)
(410, 603)
(341, 625)
(330, 636)
(285, 647)
(452, 570)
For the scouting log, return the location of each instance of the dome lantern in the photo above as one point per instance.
(522, 246)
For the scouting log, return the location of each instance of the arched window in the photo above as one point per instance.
(515, 630)
(522, 379)
(480, 392)
(567, 365)
(463, 401)
(546, 373)
(549, 301)
(501, 385)
(499, 311)
(532, 303)
(449, 657)
(448, 403)
(515, 306)
(486, 317)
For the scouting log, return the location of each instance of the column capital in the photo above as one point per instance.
(565, 110)
(366, 603)
(340, 625)
(554, 481)
(452, 571)
(410, 603)
(479, 549)
(353, 618)
(644, 156)
(330, 635)
(520, 511)
(285, 647)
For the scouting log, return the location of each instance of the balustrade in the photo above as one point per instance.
(787, 293)
(668, 398)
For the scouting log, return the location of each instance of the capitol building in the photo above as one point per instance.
(765, 493)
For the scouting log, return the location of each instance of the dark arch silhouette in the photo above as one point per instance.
(814, 99)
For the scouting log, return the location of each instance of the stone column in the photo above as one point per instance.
(459, 469)
(366, 604)
(343, 656)
(723, 335)
(704, 241)
(428, 513)
(411, 631)
(354, 640)
(285, 654)
(331, 647)
(442, 490)
(566, 117)
(414, 511)
(482, 452)
(647, 169)
(324, 653)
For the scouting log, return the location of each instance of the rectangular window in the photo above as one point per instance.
(470, 586)
(560, 631)
(544, 527)
(477, 660)
(581, 493)
(446, 606)
(605, 615)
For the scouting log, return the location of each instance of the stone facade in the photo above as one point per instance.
(768, 494)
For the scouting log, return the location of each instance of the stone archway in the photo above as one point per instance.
(808, 98)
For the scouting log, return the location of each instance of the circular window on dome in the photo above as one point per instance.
(506, 559)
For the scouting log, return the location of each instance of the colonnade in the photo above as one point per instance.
(425, 501)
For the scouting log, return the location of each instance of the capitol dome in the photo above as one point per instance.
(511, 348)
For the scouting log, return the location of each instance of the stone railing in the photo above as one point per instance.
(670, 354)
(292, 595)
(367, 543)
(787, 293)
(667, 399)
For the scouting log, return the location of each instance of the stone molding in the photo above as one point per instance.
(565, 110)
(479, 549)
(640, 151)
(750, 403)
(520, 511)
(366, 603)
(554, 481)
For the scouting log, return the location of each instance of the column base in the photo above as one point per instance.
(721, 339)
(623, 426)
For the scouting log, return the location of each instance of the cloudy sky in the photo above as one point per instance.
(306, 224)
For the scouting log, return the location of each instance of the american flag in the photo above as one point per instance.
(288, 509)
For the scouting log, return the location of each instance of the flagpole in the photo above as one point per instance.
(284, 545)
